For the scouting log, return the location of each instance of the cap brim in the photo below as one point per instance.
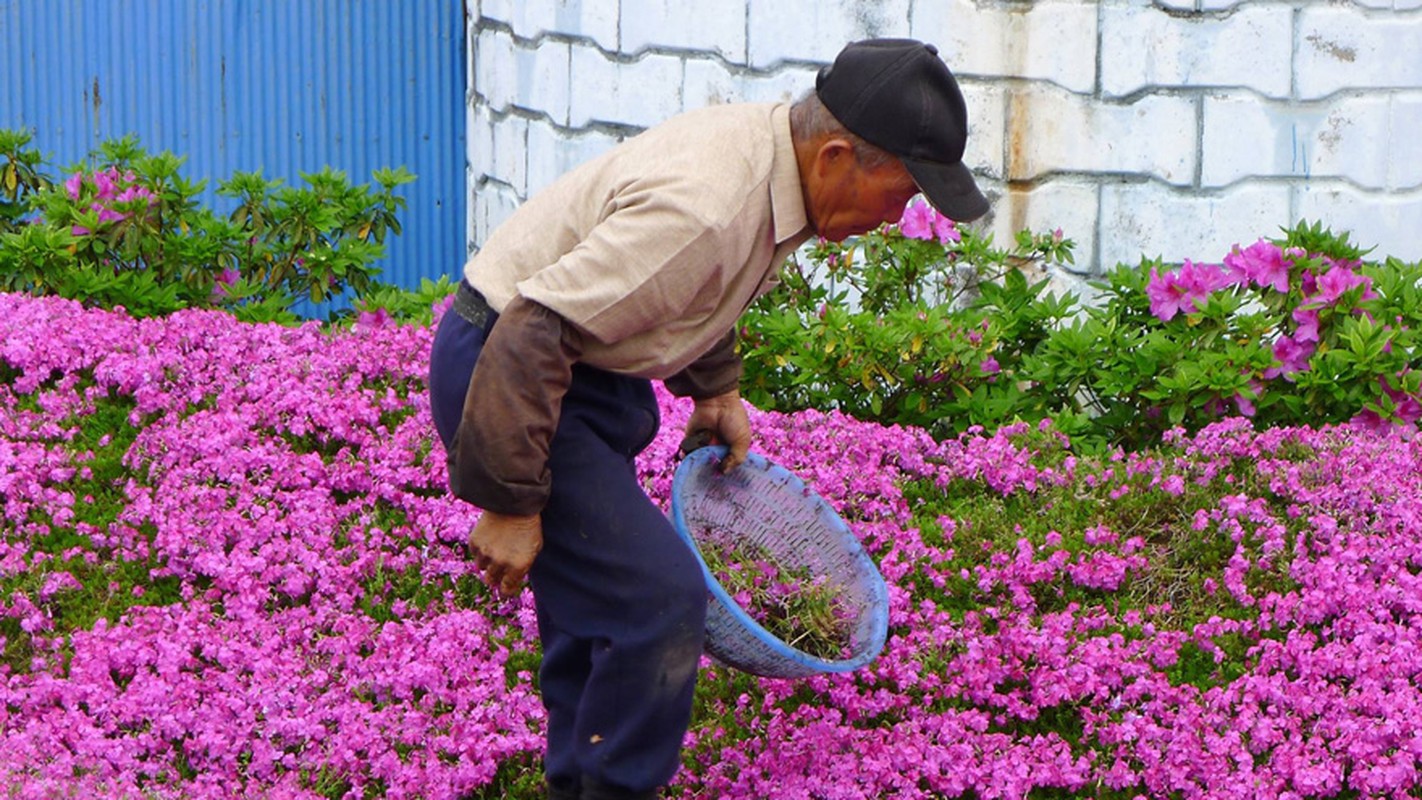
(950, 188)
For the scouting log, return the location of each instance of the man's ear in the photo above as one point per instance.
(835, 154)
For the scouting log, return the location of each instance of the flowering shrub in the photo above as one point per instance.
(887, 326)
(126, 230)
(1295, 331)
(229, 567)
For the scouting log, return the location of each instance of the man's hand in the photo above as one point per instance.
(724, 419)
(504, 547)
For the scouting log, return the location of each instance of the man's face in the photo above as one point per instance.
(851, 200)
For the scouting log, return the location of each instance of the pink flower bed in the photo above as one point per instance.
(305, 625)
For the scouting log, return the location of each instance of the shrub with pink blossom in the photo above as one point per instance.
(125, 228)
(937, 327)
(229, 567)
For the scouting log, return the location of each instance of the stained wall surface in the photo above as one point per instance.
(1170, 129)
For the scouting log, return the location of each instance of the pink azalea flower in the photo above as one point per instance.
(1263, 262)
(946, 229)
(1307, 319)
(1184, 290)
(1244, 404)
(1293, 357)
(107, 214)
(1336, 282)
(104, 183)
(922, 221)
(373, 319)
(74, 184)
(1168, 296)
(137, 193)
(917, 221)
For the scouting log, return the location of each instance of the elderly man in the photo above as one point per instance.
(631, 268)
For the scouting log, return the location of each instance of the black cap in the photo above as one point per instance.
(898, 95)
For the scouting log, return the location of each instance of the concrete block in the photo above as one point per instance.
(1145, 47)
(1348, 138)
(1387, 221)
(1153, 220)
(495, 203)
(640, 93)
(1405, 155)
(1052, 131)
(1067, 204)
(1341, 48)
(1053, 41)
(480, 143)
(471, 215)
(1200, 5)
(717, 26)
(492, 53)
(553, 152)
(987, 126)
(533, 77)
(709, 82)
(510, 137)
(532, 19)
(817, 31)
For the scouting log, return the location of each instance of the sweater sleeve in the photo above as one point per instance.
(499, 461)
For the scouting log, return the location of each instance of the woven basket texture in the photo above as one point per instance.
(762, 507)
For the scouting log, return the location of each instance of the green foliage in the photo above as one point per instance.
(949, 335)
(126, 229)
(20, 178)
(1134, 375)
(897, 329)
(416, 307)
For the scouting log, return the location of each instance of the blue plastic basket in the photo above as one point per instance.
(766, 506)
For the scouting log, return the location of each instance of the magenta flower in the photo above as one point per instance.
(1336, 282)
(1168, 296)
(107, 214)
(1293, 357)
(227, 277)
(137, 193)
(105, 184)
(373, 319)
(1263, 262)
(1185, 289)
(946, 230)
(74, 184)
(922, 221)
(259, 667)
(917, 221)
(1307, 319)
(1244, 404)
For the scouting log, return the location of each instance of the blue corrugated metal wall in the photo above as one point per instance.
(285, 86)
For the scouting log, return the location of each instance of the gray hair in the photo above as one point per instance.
(809, 119)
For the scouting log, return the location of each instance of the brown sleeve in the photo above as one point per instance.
(716, 372)
(499, 461)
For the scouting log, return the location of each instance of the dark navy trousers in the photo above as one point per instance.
(620, 600)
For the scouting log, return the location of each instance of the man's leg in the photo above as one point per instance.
(621, 600)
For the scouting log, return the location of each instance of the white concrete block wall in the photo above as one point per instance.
(1155, 128)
